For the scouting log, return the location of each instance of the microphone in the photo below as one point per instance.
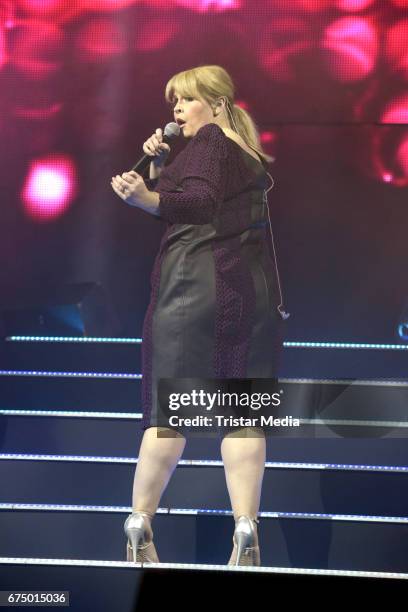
(170, 131)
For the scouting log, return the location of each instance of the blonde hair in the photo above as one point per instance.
(211, 83)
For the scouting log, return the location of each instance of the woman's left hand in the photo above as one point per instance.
(131, 188)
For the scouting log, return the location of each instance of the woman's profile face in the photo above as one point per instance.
(193, 113)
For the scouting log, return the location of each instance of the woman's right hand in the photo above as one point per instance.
(156, 148)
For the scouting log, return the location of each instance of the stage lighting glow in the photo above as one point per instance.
(41, 6)
(389, 147)
(242, 104)
(201, 6)
(58, 10)
(351, 44)
(152, 36)
(37, 113)
(400, 3)
(49, 188)
(402, 155)
(268, 137)
(36, 50)
(7, 19)
(3, 49)
(108, 5)
(387, 177)
(311, 6)
(285, 38)
(396, 111)
(396, 47)
(100, 39)
(354, 5)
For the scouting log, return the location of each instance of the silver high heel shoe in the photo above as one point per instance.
(140, 547)
(245, 540)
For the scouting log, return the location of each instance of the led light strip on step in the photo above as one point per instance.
(137, 416)
(294, 344)
(347, 345)
(208, 463)
(300, 515)
(331, 381)
(68, 374)
(74, 508)
(74, 414)
(197, 512)
(200, 567)
(354, 423)
(73, 339)
(378, 382)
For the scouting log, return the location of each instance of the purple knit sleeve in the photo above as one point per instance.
(202, 182)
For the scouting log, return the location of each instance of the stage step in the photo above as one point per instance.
(294, 487)
(119, 586)
(106, 355)
(119, 434)
(346, 407)
(188, 536)
(299, 359)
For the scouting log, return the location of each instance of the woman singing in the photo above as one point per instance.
(216, 305)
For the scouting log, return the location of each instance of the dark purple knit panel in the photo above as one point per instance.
(147, 343)
(234, 310)
(203, 180)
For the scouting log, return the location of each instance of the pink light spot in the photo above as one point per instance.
(389, 159)
(311, 6)
(353, 5)
(284, 39)
(49, 188)
(269, 141)
(400, 3)
(242, 104)
(3, 49)
(351, 46)
(202, 6)
(37, 48)
(396, 47)
(58, 10)
(402, 155)
(268, 137)
(156, 34)
(41, 6)
(107, 5)
(37, 113)
(7, 20)
(387, 177)
(396, 111)
(101, 38)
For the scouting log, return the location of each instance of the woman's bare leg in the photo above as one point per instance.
(158, 457)
(244, 464)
